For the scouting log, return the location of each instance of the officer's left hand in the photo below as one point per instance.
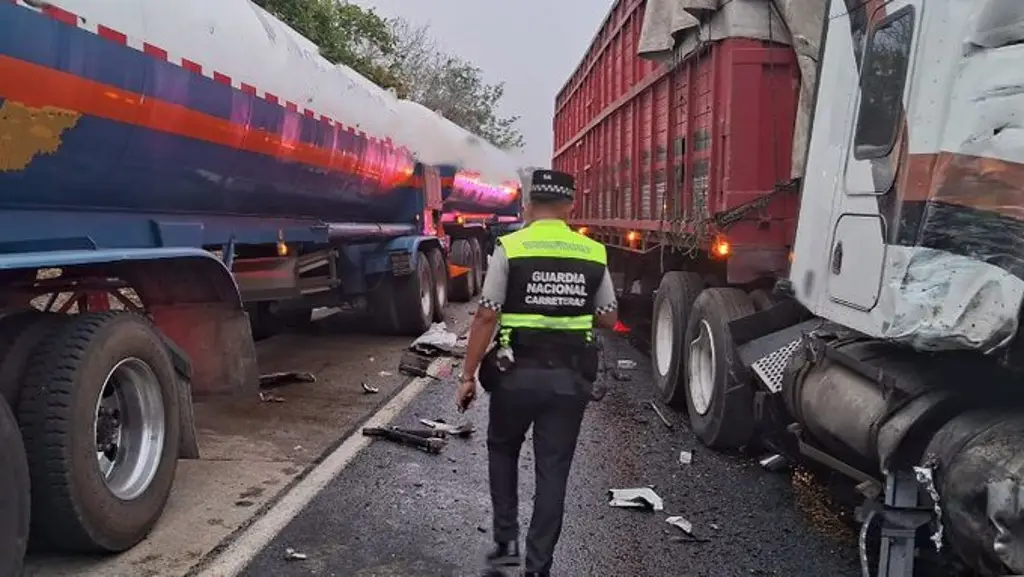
(466, 394)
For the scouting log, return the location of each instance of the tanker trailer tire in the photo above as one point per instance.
(719, 397)
(761, 300)
(478, 266)
(14, 495)
(20, 333)
(100, 418)
(460, 287)
(440, 277)
(404, 305)
(676, 294)
(263, 324)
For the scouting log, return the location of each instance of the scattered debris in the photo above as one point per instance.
(685, 457)
(414, 364)
(686, 527)
(619, 375)
(660, 414)
(368, 390)
(436, 342)
(386, 374)
(464, 430)
(293, 555)
(639, 498)
(428, 440)
(774, 463)
(274, 380)
(268, 398)
(625, 364)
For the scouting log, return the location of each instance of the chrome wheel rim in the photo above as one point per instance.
(129, 428)
(701, 370)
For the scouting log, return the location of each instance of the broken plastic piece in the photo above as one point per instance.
(437, 341)
(639, 498)
(293, 555)
(368, 390)
(681, 523)
(625, 364)
(773, 462)
(685, 457)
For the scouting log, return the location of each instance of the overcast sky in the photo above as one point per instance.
(531, 45)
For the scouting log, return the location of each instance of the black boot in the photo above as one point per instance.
(504, 555)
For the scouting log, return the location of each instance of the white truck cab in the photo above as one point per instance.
(910, 219)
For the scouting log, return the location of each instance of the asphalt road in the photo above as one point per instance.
(399, 512)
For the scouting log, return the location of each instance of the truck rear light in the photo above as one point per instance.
(720, 248)
(633, 236)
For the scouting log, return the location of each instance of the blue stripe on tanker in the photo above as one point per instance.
(115, 165)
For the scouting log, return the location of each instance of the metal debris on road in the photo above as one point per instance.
(268, 398)
(293, 555)
(274, 380)
(660, 414)
(774, 463)
(639, 498)
(685, 457)
(625, 364)
(464, 430)
(368, 390)
(386, 374)
(428, 440)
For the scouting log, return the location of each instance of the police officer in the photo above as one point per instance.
(546, 289)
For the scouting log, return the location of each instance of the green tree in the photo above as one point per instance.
(346, 34)
(449, 85)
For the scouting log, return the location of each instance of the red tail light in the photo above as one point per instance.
(620, 328)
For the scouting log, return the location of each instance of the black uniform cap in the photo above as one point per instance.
(552, 185)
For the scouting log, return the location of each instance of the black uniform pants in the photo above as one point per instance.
(553, 401)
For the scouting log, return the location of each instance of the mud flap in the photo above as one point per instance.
(189, 445)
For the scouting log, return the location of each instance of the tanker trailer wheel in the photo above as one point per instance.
(672, 305)
(440, 276)
(761, 299)
(14, 495)
(99, 415)
(478, 265)
(460, 288)
(20, 333)
(719, 398)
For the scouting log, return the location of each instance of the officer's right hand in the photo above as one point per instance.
(466, 394)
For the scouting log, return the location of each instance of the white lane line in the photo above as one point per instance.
(234, 559)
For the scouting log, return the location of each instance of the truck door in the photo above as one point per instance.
(885, 37)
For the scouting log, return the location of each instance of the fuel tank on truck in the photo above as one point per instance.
(478, 177)
(190, 106)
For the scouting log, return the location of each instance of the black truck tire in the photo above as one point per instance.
(676, 294)
(76, 507)
(404, 305)
(719, 396)
(478, 265)
(20, 333)
(761, 300)
(14, 495)
(263, 324)
(460, 288)
(440, 276)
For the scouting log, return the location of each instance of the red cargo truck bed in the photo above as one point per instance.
(693, 154)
